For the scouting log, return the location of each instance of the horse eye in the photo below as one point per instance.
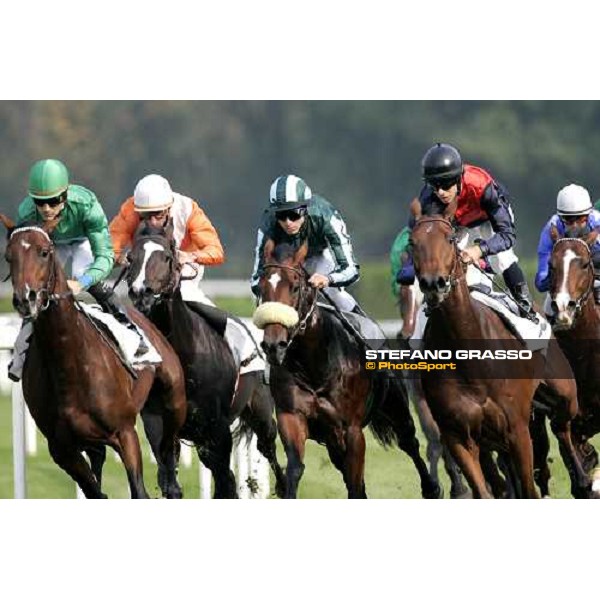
(44, 253)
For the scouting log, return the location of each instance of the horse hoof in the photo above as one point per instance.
(436, 492)
(464, 494)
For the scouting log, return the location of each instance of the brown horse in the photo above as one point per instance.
(409, 303)
(577, 328)
(476, 412)
(317, 380)
(77, 389)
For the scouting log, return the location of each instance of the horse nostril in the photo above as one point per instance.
(441, 283)
(31, 296)
(571, 304)
(282, 344)
(554, 306)
(424, 284)
(148, 291)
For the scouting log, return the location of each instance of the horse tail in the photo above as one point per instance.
(390, 419)
(242, 432)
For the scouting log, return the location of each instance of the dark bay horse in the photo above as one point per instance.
(577, 328)
(78, 391)
(317, 381)
(216, 395)
(476, 412)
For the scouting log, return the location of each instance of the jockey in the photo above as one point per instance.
(197, 240)
(574, 217)
(80, 236)
(296, 215)
(473, 199)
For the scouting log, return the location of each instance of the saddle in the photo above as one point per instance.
(215, 317)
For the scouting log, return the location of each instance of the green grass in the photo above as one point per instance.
(389, 473)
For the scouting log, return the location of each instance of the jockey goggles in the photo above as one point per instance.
(570, 219)
(443, 184)
(291, 215)
(52, 202)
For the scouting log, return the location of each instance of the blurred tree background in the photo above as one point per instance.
(363, 156)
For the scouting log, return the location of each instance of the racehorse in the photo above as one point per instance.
(216, 396)
(79, 392)
(577, 328)
(410, 301)
(475, 411)
(317, 380)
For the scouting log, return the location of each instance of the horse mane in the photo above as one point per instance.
(284, 252)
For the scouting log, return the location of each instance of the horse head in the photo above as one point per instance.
(36, 277)
(571, 276)
(154, 273)
(287, 299)
(436, 257)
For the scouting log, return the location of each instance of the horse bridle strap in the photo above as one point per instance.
(583, 298)
(301, 326)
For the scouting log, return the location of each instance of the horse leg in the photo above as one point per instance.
(541, 449)
(397, 410)
(563, 399)
(128, 447)
(493, 478)
(258, 415)
(293, 431)
(70, 460)
(265, 428)
(521, 453)
(97, 456)
(458, 489)
(430, 430)
(354, 463)
(467, 458)
(215, 453)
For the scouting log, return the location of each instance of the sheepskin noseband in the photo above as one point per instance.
(269, 313)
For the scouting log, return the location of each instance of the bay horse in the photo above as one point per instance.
(316, 378)
(577, 328)
(79, 393)
(216, 395)
(476, 411)
(410, 300)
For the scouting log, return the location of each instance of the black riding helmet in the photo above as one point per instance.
(441, 162)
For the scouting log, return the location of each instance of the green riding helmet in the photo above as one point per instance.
(48, 178)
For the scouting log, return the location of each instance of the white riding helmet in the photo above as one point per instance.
(152, 193)
(573, 200)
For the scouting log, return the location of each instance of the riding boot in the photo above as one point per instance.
(515, 281)
(109, 302)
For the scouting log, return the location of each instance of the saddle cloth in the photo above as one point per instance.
(127, 340)
(534, 335)
(243, 340)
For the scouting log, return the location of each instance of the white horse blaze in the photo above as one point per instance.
(25, 244)
(274, 280)
(149, 248)
(563, 297)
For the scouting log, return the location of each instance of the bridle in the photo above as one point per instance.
(305, 291)
(456, 274)
(590, 268)
(173, 265)
(48, 289)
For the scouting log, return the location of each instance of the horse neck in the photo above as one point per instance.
(459, 312)
(587, 323)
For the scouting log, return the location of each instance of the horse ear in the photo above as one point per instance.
(591, 237)
(170, 229)
(416, 210)
(554, 235)
(8, 223)
(268, 251)
(450, 210)
(300, 255)
(50, 226)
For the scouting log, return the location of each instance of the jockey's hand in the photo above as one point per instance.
(74, 286)
(319, 281)
(122, 260)
(471, 254)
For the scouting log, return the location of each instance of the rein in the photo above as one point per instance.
(586, 294)
(301, 326)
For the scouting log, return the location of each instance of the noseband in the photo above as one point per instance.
(304, 292)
